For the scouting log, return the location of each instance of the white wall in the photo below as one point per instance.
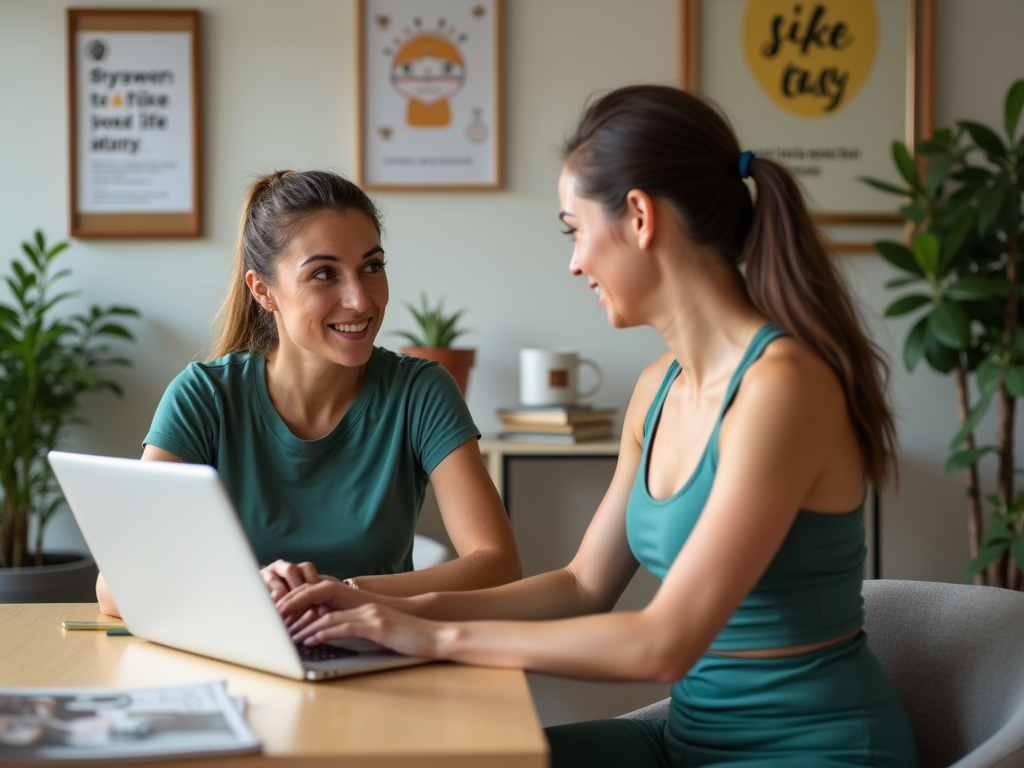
(279, 91)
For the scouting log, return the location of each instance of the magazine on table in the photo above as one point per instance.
(105, 724)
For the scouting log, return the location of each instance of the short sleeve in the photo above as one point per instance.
(187, 420)
(439, 420)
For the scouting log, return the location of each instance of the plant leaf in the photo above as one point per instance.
(899, 282)
(971, 422)
(1014, 103)
(926, 252)
(1017, 551)
(898, 255)
(938, 169)
(989, 203)
(950, 325)
(915, 344)
(906, 304)
(905, 165)
(971, 288)
(963, 459)
(972, 175)
(1013, 379)
(983, 560)
(884, 186)
(988, 375)
(985, 138)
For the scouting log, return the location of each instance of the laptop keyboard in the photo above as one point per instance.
(322, 652)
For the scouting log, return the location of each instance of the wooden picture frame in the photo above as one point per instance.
(133, 107)
(429, 103)
(893, 105)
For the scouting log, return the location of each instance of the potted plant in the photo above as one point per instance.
(46, 364)
(963, 205)
(434, 341)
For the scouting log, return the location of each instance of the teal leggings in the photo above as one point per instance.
(829, 708)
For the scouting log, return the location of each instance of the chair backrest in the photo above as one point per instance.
(955, 656)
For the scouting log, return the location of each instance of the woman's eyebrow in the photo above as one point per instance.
(318, 257)
(563, 214)
(327, 257)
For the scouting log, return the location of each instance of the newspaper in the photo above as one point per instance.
(104, 724)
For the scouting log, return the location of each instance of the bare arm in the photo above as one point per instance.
(475, 520)
(762, 480)
(592, 582)
(103, 596)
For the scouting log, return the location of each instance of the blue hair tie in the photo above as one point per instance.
(745, 159)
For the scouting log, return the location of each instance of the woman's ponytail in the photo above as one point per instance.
(793, 281)
(676, 146)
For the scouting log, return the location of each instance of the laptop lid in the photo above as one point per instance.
(175, 556)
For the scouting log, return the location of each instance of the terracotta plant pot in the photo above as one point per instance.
(456, 361)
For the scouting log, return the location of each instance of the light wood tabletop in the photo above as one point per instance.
(433, 715)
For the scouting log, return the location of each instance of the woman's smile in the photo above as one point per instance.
(353, 331)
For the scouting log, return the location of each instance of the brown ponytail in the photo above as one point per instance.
(676, 146)
(275, 205)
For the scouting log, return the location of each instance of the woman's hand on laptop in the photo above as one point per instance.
(316, 613)
(281, 577)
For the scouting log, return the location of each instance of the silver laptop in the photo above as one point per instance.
(173, 552)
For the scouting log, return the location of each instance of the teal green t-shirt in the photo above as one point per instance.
(347, 502)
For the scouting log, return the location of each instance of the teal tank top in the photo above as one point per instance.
(810, 591)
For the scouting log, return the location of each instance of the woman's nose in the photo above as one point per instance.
(353, 295)
(574, 267)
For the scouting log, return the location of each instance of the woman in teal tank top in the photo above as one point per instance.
(740, 479)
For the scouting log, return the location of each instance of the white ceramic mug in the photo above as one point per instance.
(551, 377)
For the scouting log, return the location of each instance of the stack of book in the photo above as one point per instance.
(556, 424)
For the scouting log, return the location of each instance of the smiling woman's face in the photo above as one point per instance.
(331, 288)
(602, 253)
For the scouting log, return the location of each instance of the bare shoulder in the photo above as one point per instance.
(643, 395)
(789, 374)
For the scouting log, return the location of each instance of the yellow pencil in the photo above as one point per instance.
(93, 625)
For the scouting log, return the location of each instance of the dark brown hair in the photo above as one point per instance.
(676, 146)
(275, 206)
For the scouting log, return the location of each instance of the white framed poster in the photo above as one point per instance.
(825, 87)
(429, 94)
(133, 98)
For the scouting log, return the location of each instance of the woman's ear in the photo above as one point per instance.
(259, 289)
(641, 218)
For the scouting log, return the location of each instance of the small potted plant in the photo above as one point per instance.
(434, 341)
(46, 364)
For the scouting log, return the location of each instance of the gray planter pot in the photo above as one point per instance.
(63, 578)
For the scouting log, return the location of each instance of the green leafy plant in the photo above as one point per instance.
(962, 202)
(46, 364)
(437, 329)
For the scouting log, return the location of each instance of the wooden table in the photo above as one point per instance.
(498, 453)
(430, 716)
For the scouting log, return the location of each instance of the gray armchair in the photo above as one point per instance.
(955, 656)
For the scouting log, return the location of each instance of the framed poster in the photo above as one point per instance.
(134, 109)
(429, 94)
(824, 87)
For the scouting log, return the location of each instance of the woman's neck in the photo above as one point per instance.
(707, 319)
(309, 393)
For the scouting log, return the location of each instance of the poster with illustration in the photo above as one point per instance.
(823, 86)
(429, 94)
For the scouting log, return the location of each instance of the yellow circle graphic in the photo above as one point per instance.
(811, 58)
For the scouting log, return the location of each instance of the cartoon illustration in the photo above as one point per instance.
(428, 70)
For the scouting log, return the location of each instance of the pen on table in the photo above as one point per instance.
(93, 625)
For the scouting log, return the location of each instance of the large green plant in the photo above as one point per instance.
(46, 364)
(962, 201)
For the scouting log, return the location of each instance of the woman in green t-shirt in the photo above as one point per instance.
(325, 442)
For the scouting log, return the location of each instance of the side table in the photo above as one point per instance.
(498, 454)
